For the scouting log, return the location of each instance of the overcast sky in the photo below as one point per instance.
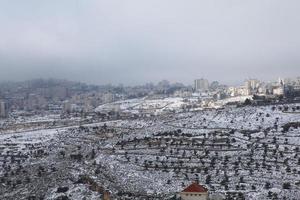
(138, 41)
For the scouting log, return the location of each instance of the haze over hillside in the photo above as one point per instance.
(136, 41)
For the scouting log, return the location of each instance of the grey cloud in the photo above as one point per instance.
(138, 41)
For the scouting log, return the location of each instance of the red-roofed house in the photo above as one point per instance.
(194, 192)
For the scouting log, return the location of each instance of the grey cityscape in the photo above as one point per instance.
(150, 100)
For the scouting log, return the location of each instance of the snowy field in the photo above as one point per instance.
(143, 105)
(237, 153)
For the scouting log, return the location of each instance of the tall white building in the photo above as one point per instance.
(3, 112)
(67, 106)
(252, 84)
(201, 84)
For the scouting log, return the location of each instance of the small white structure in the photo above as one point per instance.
(278, 90)
(194, 192)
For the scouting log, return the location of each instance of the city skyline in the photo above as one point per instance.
(190, 83)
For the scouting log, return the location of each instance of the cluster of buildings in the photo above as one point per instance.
(283, 87)
(87, 102)
(52, 96)
(66, 96)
